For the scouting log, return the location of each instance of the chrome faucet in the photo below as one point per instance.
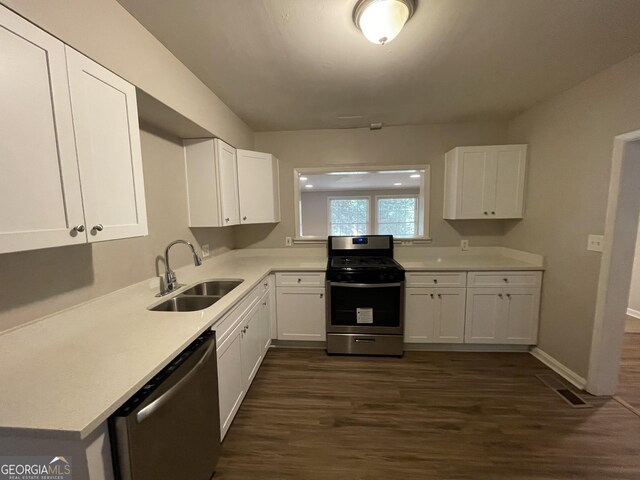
(170, 281)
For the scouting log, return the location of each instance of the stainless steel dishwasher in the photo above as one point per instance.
(170, 429)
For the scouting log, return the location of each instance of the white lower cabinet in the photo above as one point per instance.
(301, 313)
(495, 308)
(230, 380)
(503, 307)
(240, 353)
(434, 315)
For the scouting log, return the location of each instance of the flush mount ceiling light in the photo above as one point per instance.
(381, 20)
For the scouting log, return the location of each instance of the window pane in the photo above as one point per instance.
(349, 216)
(397, 216)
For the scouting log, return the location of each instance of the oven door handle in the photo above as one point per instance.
(365, 285)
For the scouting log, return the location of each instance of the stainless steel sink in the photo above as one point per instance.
(214, 287)
(183, 303)
(197, 297)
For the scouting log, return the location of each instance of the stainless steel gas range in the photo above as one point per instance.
(365, 296)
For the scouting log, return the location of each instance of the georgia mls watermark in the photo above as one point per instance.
(35, 468)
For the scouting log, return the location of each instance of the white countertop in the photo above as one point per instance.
(63, 375)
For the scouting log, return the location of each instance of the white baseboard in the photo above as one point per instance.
(559, 368)
(632, 324)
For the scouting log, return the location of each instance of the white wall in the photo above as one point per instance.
(104, 31)
(571, 139)
(411, 145)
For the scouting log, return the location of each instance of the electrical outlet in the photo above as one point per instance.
(288, 241)
(464, 245)
(205, 250)
(595, 243)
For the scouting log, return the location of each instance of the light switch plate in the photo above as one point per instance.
(595, 243)
(205, 250)
(288, 241)
(464, 245)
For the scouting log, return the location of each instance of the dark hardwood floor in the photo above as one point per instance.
(429, 415)
(629, 379)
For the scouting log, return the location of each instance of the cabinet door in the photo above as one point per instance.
(419, 314)
(227, 179)
(251, 335)
(258, 187)
(105, 118)
(448, 323)
(39, 184)
(230, 380)
(484, 311)
(509, 181)
(521, 316)
(301, 313)
(474, 188)
(265, 323)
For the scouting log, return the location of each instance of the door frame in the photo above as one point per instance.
(620, 233)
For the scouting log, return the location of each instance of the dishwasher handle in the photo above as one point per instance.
(149, 410)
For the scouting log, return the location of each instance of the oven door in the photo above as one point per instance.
(365, 307)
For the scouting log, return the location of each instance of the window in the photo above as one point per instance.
(348, 216)
(361, 200)
(397, 216)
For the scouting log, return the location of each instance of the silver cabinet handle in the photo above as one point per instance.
(299, 280)
(435, 280)
(506, 280)
(486, 213)
(322, 295)
(493, 213)
(264, 304)
(439, 295)
(500, 295)
(98, 228)
(161, 400)
(432, 295)
(509, 296)
(265, 285)
(78, 228)
(226, 219)
(244, 218)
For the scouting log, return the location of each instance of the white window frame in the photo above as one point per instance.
(424, 200)
(376, 222)
(370, 224)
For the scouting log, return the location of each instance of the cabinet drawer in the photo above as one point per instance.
(303, 279)
(503, 279)
(436, 279)
(224, 326)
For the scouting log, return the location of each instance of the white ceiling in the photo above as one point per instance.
(302, 64)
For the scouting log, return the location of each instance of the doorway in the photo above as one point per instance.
(629, 376)
(621, 228)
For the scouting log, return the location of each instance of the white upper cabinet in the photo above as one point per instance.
(212, 183)
(70, 147)
(228, 186)
(485, 182)
(105, 117)
(258, 187)
(39, 185)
